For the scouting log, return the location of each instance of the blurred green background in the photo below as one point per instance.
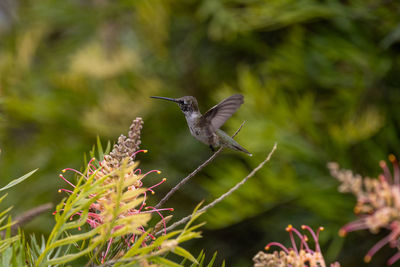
(321, 78)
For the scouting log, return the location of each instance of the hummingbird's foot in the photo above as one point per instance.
(212, 148)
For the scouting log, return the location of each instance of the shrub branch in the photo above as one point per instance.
(197, 170)
(212, 204)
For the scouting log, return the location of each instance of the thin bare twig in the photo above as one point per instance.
(27, 216)
(197, 170)
(212, 204)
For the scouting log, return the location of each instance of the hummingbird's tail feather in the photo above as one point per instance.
(228, 141)
(239, 148)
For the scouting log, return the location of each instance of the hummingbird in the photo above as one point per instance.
(205, 128)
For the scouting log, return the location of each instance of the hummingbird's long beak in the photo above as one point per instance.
(165, 98)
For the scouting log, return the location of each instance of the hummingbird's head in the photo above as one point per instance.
(187, 104)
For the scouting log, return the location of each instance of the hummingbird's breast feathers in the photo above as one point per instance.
(193, 116)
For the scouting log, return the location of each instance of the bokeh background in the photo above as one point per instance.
(321, 78)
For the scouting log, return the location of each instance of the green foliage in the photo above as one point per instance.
(65, 244)
(319, 77)
(14, 252)
(116, 224)
(11, 247)
(18, 180)
(107, 198)
(200, 261)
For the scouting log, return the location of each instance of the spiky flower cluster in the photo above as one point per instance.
(126, 147)
(378, 204)
(122, 190)
(294, 256)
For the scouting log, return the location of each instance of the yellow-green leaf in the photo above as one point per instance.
(184, 253)
(18, 180)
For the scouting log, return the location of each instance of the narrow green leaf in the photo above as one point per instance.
(195, 215)
(5, 243)
(91, 152)
(165, 262)
(211, 263)
(108, 148)
(8, 230)
(184, 253)
(132, 251)
(100, 149)
(18, 180)
(70, 257)
(200, 255)
(189, 236)
(191, 229)
(3, 197)
(2, 217)
(200, 259)
(6, 226)
(201, 263)
(6, 256)
(162, 238)
(74, 238)
(183, 262)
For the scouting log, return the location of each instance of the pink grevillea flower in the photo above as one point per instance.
(110, 169)
(298, 255)
(378, 204)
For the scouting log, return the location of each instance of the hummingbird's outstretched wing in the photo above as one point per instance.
(221, 112)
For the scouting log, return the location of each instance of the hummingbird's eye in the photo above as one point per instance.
(184, 107)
